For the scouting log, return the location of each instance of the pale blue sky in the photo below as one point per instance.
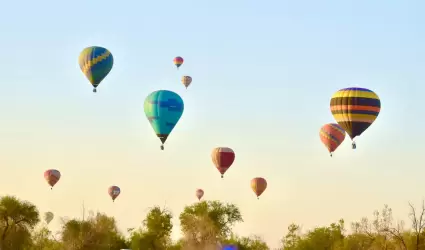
(263, 74)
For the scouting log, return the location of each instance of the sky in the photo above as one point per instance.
(263, 75)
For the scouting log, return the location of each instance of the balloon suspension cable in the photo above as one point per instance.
(353, 145)
(162, 147)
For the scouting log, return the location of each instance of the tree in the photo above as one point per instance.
(418, 225)
(380, 233)
(98, 232)
(43, 240)
(247, 243)
(291, 239)
(326, 238)
(156, 231)
(205, 223)
(17, 219)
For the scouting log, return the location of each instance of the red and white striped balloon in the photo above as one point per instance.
(223, 158)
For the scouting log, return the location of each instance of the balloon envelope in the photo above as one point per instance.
(178, 61)
(52, 176)
(186, 80)
(163, 108)
(96, 63)
(223, 158)
(114, 192)
(258, 185)
(332, 135)
(48, 217)
(199, 193)
(355, 109)
(230, 247)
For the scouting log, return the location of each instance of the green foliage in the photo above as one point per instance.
(221, 216)
(330, 237)
(247, 243)
(98, 232)
(42, 239)
(378, 234)
(17, 219)
(205, 225)
(155, 233)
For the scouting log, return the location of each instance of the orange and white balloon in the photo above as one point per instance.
(258, 185)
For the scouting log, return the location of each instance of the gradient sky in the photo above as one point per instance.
(263, 74)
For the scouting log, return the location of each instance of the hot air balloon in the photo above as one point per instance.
(199, 193)
(48, 217)
(258, 185)
(163, 108)
(114, 191)
(223, 158)
(332, 135)
(52, 176)
(355, 109)
(178, 61)
(186, 80)
(230, 247)
(96, 63)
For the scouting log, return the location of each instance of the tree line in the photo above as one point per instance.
(205, 225)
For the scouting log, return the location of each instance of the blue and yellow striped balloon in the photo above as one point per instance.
(96, 63)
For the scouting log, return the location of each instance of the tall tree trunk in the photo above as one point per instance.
(418, 236)
(4, 234)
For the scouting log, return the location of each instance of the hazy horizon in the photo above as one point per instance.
(263, 75)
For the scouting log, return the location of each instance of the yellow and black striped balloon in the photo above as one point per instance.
(355, 109)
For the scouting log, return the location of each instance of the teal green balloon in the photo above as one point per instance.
(163, 108)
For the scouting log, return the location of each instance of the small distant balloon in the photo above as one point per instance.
(186, 80)
(52, 176)
(163, 109)
(223, 158)
(178, 61)
(258, 185)
(48, 217)
(332, 135)
(230, 247)
(114, 192)
(355, 109)
(199, 193)
(96, 63)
